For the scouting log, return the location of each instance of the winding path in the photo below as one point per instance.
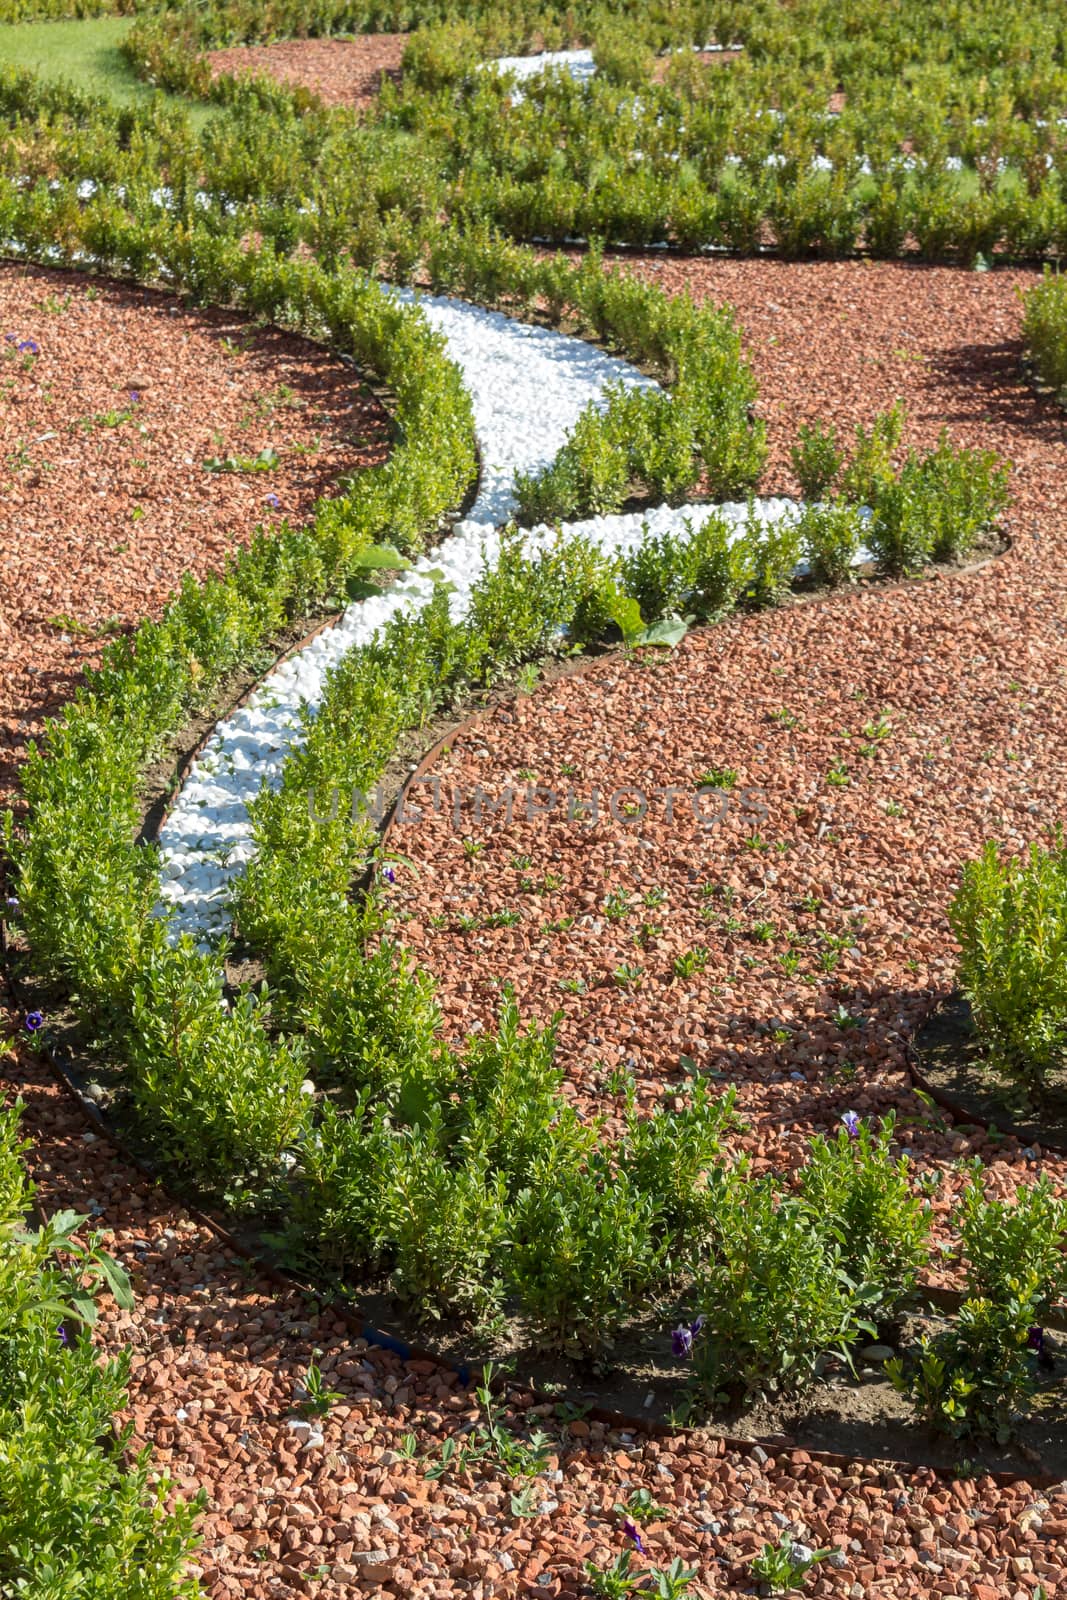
(528, 385)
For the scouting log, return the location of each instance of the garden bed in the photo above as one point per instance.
(639, 1384)
(957, 678)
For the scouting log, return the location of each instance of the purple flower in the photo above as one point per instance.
(135, 398)
(388, 874)
(10, 338)
(28, 347)
(682, 1341)
(273, 502)
(852, 1124)
(34, 1021)
(631, 1532)
(1035, 1340)
(13, 902)
(682, 1337)
(62, 1335)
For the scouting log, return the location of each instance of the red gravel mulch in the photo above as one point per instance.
(106, 501)
(342, 72)
(337, 1509)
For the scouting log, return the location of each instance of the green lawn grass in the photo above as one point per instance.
(85, 53)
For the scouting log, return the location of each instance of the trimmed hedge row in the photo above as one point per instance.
(414, 1137)
(88, 892)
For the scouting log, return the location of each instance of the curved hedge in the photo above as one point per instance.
(218, 1093)
(408, 1138)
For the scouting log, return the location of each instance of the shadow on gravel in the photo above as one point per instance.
(992, 385)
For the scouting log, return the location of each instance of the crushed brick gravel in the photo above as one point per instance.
(107, 416)
(334, 1507)
(342, 72)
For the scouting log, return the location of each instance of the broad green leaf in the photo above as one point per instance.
(382, 558)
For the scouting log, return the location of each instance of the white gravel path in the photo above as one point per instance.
(579, 63)
(528, 386)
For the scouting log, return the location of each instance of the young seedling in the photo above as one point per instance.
(717, 778)
(641, 1508)
(785, 1565)
(672, 1583)
(518, 1458)
(614, 1583)
(690, 961)
(317, 1399)
(523, 1503)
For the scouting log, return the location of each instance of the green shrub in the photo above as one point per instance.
(830, 537)
(1045, 329)
(448, 1225)
(222, 1100)
(338, 1215)
(816, 459)
(657, 575)
(899, 533)
(964, 491)
(1010, 918)
(623, 58)
(1015, 1248)
(864, 1199)
(520, 606)
(719, 568)
(869, 472)
(972, 1378)
(775, 1297)
(674, 1158)
(975, 1376)
(589, 477)
(657, 436)
(437, 58)
(774, 550)
(587, 1247)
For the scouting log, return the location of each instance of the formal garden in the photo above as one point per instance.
(533, 658)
